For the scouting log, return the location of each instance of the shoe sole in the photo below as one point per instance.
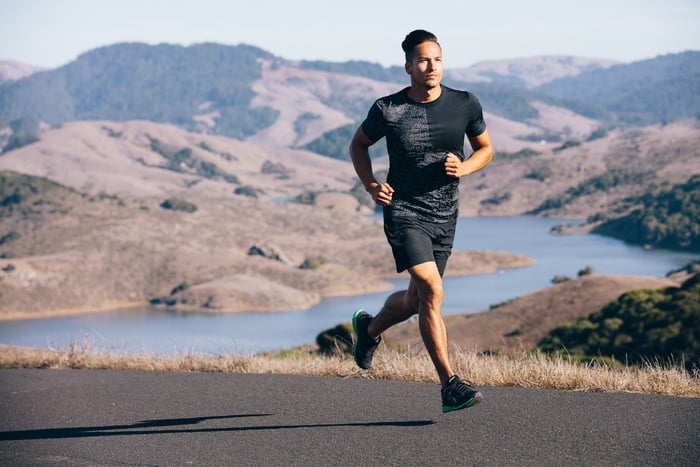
(355, 335)
(471, 402)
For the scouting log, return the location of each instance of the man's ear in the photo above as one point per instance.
(407, 67)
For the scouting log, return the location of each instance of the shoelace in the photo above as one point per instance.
(460, 387)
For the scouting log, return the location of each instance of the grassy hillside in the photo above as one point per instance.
(579, 179)
(641, 326)
(184, 239)
(163, 83)
(651, 91)
(26, 195)
(667, 219)
(520, 324)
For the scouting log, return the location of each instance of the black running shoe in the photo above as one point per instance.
(364, 346)
(457, 395)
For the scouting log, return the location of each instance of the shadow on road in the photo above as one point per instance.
(144, 428)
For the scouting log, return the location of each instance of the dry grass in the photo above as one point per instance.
(524, 370)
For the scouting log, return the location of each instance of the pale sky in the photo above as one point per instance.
(51, 33)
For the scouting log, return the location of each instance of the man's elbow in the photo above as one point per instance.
(358, 147)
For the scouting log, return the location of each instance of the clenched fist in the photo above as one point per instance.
(453, 166)
(381, 193)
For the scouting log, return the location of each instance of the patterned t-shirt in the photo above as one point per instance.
(418, 138)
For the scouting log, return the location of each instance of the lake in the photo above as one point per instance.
(162, 332)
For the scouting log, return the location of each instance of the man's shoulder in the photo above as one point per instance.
(458, 93)
(397, 97)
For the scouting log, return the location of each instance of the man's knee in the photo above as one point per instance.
(435, 290)
(427, 283)
(430, 290)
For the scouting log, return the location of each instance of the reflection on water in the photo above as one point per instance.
(158, 331)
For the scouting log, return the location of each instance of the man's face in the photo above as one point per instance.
(426, 67)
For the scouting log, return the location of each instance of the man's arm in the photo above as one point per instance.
(359, 153)
(483, 153)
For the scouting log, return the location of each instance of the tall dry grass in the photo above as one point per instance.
(523, 370)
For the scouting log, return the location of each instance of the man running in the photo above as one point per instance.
(425, 126)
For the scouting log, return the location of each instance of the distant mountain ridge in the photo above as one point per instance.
(215, 88)
(646, 92)
(11, 70)
(529, 72)
(162, 83)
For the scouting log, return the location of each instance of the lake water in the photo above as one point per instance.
(157, 331)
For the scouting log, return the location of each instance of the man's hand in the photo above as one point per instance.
(453, 166)
(381, 193)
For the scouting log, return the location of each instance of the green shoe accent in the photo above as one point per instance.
(457, 395)
(469, 403)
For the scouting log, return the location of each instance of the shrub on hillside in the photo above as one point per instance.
(269, 167)
(183, 161)
(20, 193)
(558, 279)
(307, 197)
(334, 144)
(177, 204)
(597, 134)
(25, 131)
(670, 219)
(521, 154)
(587, 271)
(248, 190)
(337, 339)
(9, 236)
(639, 327)
(540, 174)
(602, 183)
(496, 200)
(313, 262)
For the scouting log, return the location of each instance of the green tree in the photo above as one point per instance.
(641, 326)
(335, 339)
(669, 219)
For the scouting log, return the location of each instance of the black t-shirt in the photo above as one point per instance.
(418, 138)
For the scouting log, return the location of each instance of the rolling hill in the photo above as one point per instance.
(11, 70)
(248, 93)
(254, 146)
(521, 323)
(646, 92)
(110, 232)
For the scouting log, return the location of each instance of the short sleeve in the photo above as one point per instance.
(476, 125)
(374, 126)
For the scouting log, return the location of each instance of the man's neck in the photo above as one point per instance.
(423, 95)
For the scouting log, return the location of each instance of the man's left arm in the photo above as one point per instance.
(482, 155)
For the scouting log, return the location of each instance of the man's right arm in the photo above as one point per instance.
(359, 153)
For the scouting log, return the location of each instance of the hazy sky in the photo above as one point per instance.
(50, 33)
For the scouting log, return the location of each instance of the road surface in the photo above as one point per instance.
(95, 417)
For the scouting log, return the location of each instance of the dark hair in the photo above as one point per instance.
(414, 38)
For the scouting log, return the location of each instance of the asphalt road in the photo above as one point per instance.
(85, 417)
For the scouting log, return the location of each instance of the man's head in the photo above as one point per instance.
(423, 61)
(415, 38)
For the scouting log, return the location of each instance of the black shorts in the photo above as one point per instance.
(415, 242)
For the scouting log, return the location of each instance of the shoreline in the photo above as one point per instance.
(63, 312)
(461, 266)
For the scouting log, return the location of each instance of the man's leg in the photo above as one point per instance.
(397, 308)
(427, 282)
(367, 330)
(423, 296)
